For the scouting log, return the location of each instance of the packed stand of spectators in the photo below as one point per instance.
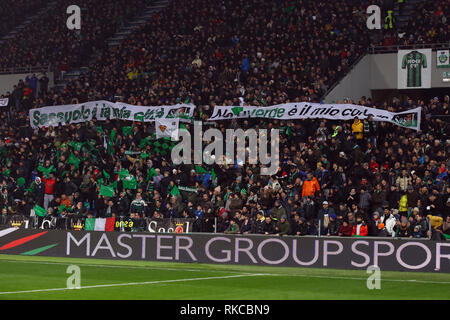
(14, 12)
(48, 41)
(217, 51)
(339, 178)
(428, 24)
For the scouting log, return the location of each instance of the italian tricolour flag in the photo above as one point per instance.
(99, 224)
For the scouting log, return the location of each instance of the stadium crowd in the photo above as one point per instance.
(340, 178)
(17, 11)
(428, 25)
(360, 177)
(47, 40)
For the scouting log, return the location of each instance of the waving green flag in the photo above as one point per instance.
(106, 174)
(199, 169)
(20, 181)
(144, 142)
(76, 145)
(130, 183)
(62, 207)
(236, 110)
(175, 192)
(41, 212)
(113, 185)
(123, 174)
(127, 130)
(46, 171)
(151, 173)
(106, 191)
(112, 134)
(74, 160)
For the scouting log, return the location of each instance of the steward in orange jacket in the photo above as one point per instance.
(310, 186)
(363, 230)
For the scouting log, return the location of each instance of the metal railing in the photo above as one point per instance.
(395, 48)
(16, 70)
(162, 225)
(351, 67)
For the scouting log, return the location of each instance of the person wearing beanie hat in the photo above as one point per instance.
(302, 228)
(333, 226)
(282, 227)
(381, 230)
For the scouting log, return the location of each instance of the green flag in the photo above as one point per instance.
(236, 110)
(89, 224)
(110, 147)
(213, 175)
(106, 191)
(127, 130)
(7, 172)
(199, 169)
(144, 142)
(106, 174)
(46, 171)
(20, 181)
(175, 192)
(144, 155)
(76, 145)
(41, 212)
(123, 174)
(151, 173)
(73, 160)
(129, 183)
(112, 135)
(113, 185)
(62, 207)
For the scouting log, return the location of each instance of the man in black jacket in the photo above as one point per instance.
(333, 227)
(123, 205)
(268, 226)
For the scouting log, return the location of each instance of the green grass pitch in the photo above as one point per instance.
(23, 277)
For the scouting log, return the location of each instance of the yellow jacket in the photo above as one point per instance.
(357, 129)
(435, 221)
(403, 203)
